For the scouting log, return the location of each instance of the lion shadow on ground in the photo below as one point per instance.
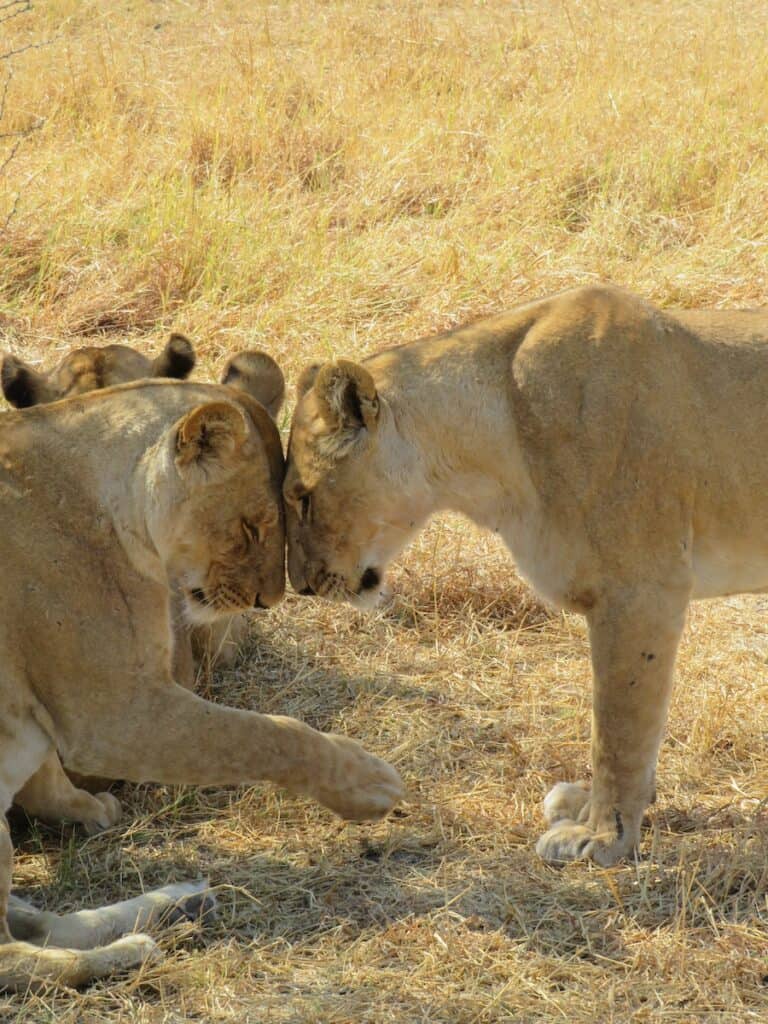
(273, 678)
(388, 881)
(363, 886)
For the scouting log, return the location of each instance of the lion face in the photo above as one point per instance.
(89, 369)
(221, 536)
(347, 466)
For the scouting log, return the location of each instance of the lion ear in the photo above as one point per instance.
(210, 434)
(177, 359)
(257, 373)
(22, 385)
(347, 397)
(307, 379)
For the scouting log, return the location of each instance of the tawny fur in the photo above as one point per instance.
(50, 795)
(43, 949)
(616, 448)
(91, 368)
(115, 507)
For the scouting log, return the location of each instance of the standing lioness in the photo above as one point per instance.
(111, 504)
(619, 451)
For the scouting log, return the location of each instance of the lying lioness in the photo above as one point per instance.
(111, 503)
(619, 451)
(91, 368)
(49, 794)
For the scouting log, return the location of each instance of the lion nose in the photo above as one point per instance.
(268, 597)
(371, 578)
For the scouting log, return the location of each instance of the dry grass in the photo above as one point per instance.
(328, 178)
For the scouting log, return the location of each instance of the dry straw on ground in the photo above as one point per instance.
(328, 178)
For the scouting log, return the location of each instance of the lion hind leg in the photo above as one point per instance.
(25, 747)
(51, 796)
(86, 929)
(81, 947)
(24, 966)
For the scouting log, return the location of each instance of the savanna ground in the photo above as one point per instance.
(329, 178)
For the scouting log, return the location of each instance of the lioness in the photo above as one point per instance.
(90, 368)
(618, 450)
(49, 794)
(111, 503)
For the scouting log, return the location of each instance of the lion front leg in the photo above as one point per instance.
(634, 634)
(217, 645)
(163, 733)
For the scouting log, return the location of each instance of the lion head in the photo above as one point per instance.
(347, 466)
(91, 368)
(218, 523)
(257, 373)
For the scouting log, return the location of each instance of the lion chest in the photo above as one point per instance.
(553, 564)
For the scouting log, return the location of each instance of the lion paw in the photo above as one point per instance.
(580, 831)
(178, 903)
(568, 841)
(130, 952)
(565, 800)
(107, 815)
(195, 904)
(362, 786)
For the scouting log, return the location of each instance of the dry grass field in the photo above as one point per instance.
(327, 178)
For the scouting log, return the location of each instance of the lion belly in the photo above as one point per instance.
(723, 570)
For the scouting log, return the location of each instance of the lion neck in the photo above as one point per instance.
(447, 404)
(112, 452)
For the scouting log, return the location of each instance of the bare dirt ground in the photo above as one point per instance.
(327, 178)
